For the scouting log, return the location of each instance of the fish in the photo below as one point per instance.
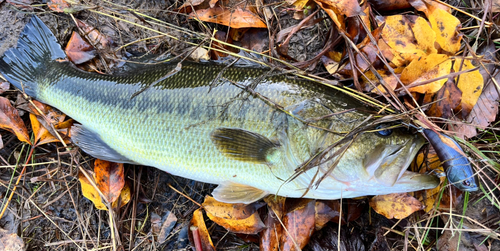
(457, 167)
(251, 131)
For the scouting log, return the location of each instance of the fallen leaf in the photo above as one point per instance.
(446, 100)
(324, 212)
(4, 86)
(389, 5)
(23, 4)
(250, 225)
(41, 125)
(447, 28)
(92, 194)
(93, 36)
(470, 83)
(333, 13)
(169, 221)
(10, 241)
(234, 18)
(426, 163)
(10, 121)
(349, 8)
(199, 236)
(270, 236)
(230, 211)
(78, 50)
(403, 35)
(110, 178)
(426, 68)
(300, 224)
(58, 5)
(395, 205)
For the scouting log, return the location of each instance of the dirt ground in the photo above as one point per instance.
(49, 212)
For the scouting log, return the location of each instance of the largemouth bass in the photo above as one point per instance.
(241, 128)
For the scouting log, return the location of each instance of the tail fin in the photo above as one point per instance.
(36, 48)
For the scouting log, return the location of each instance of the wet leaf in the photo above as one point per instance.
(10, 121)
(110, 178)
(446, 100)
(199, 236)
(426, 68)
(78, 50)
(270, 236)
(447, 29)
(300, 224)
(324, 212)
(234, 18)
(229, 211)
(250, 225)
(471, 85)
(395, 205)
(58, 5)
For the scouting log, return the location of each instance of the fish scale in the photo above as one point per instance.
(210, 123)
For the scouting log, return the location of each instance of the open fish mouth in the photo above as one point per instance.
(387, 163)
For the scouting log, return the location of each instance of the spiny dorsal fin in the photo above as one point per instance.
(238, 193)
(243, 145)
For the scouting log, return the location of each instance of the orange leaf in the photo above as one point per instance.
(250, 225)
(229, 211)
(41, 128)
(395, 205)
(235, 18)
(426, 68)
(447, 28)
(109, 178)
(300, 224)
(93, 195)
(10, 120)
(349, 8)
(78, 50)
(270, 236)
(333, 13)
(93, 36)
(471, 85)
(58, 5)
(324, 212)
(199, 235)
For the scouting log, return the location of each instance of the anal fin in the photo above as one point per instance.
(92, 144)
(238, 193)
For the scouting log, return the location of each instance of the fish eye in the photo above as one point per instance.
(382, 132)
(466, 183)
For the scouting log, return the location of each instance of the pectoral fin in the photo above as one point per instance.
(238, 193)
(244, 145)
(92, 144)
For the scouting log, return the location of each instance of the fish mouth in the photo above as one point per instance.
(389, 162)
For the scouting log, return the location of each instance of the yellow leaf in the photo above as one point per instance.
(229, 211)
(424, 164)
(250, 225)
(395, 205)
(447, 28)
(471, 85)
(424, 34)
(198, 227)
(93, 195)
(426, 68)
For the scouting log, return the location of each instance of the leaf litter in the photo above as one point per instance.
(403, 54)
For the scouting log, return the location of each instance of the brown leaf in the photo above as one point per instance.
(10, 241)
(199, 236)
(10, 120)
(229, 211)
(250, 225)
(4, 86)
(234, 18)
(349, 8)
(109, 178)
(389, 5)
(333, 13)
(395, 205)
(58, 5)
(41, 125)
(23, 4)
(447, 99)
(93, 195)
(270, 236)
(324, 212)
(300, 224)
(93, 36)
(78, 50)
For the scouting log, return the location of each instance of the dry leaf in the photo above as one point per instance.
(470, 83)
(447, 28)
(426, 68)
(10, 120)
(333, 13)
(234, 18)
(110, 178)
(94, 37)
(199, 235)
(270, 236)
(395, 205)
(300, 224)
(250, 225)
(447, 99)
(348, 8)
(58, 5)
(324, 212)
(93, 195)
(78, 50)
(425, 163)
(230, 211)
(389, 5)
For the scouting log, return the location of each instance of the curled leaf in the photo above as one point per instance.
(10, 120)
(199, 235)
